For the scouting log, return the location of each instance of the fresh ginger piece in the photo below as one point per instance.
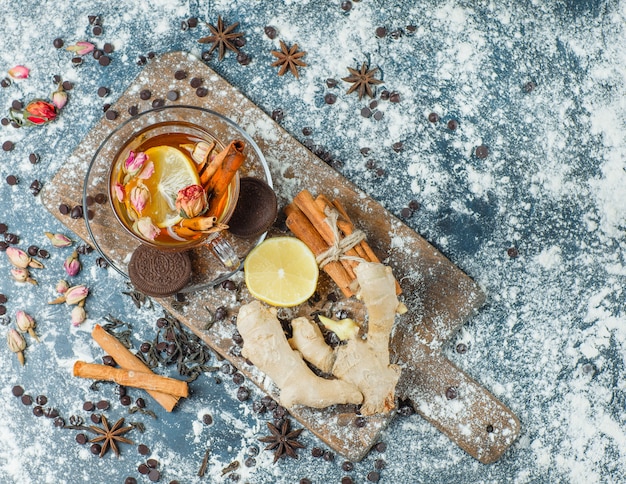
(344, 328)
(308, 339)
(266, 346)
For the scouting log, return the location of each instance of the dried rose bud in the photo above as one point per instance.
(78, 315)
(81, 48)
(120, 192)
(22, 275)
(147, 172)
(139, 197)
(62, 286)
(76, 294)
(72, 264)
(134, 162)
(146, 228)
(17, 344)
(40, 112)
(19, 72)
(59, 98)
(59, 240)
(25, 323)
(191, 201)
(18, 257)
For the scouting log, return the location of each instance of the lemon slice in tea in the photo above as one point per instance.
(281, 271)
(173, 171)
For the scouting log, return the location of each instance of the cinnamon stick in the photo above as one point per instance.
(305, 202)
(124, 358)
(302, 228)
(131, 378)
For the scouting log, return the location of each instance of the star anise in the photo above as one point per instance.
(110, 436)
(362, 80)
(283, 440)
(288, 58)
(222, 38)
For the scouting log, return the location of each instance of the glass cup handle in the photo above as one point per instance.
(220, 247)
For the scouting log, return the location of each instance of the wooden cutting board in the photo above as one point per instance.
(439, 296)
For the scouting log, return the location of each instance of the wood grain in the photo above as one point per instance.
(439, 296)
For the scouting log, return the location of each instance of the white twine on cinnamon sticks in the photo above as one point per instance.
(337, 251)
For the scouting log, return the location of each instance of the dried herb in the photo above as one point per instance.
(282, 440)
(362, 80)
(138, 298)
(110, 436)
(205, 463)
(288, 58)
(136, 409)
(113, 326)
(222, 38)
(234, 465)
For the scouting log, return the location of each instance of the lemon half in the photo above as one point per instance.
(281, 271)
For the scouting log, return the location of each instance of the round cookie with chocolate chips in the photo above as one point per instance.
(256, 209)
(157, 273)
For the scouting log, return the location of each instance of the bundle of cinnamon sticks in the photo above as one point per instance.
(322, 225)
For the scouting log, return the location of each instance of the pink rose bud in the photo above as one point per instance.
(59, 99)
(25, 323)
(191, 201)
(72, 264)
(81, 48)
(40, 112)
(22, 275)
(139, 197)
(134, 162)
(146, 228)
(59, 240)
(120, 192)
(78, 315)
(17, 344)
(147, 172)
(19, 72)
(62, 286)
(18, 257)
(76, 294)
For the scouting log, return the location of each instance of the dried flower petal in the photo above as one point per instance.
(72, 265)
(78, 315)
(17, 344)
(22, 275)
(146, 228)
(76, 294)
(139, 197)
(81, 48)
(147, 172)
(59, 240)
(134, 162)
(18, 257)
(19, 72)
(59, 98)
(191, 201)
(39, 112)
(120, 192)
(62, 286)
(25, 323)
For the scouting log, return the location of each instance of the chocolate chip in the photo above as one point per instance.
(104, 60)
(380, 447)
(489, 428)
(360, 422)
(512, 252)
(184, 26)
(278, 115)
(394, 97)
(451, 393)
(6, 82)
(16, 104)
(172, 95)
(77, 60)
(143, 469)
(414, 205)
(530, 86)
(133, 110)
(384, 95)
(67, 86)
(180, 75)
(380, 464)
(17, 390)
(238, 378)
(346, 5)
(3, 246)
(35, 187)
(158, 103)
(32, 251)
(240, 42)
(143, 449)
(103, 91)
(96, 418)
(207, 419)
(43, 253)
(58, 42)
(145, 347)
(433, 117)
(397, 146)
(243, 394)
(378, 115)
(220, 313)
(453, 124)
(152, 463)
(482, 152)
(373, 476)
(130, 480)
(366, 112)
(406, 212)
(306, 131)
(141, 60)
(125, 400)
(229, 285)
(97, 30)
(3, 229)
(12, 180)
(317, 452)
(328, 456)
(88, 406)
(195, 82)
(330, 98)
(77, 212)
(140, 402)
(51, 413)
(11, 238)
(249, 462)
(95, 449)
(145, 94)
(94, 19)
(111, 114)
(81, 439)
(347, 480)
(101, 198)
(461, 348)
(108, 48)
(97, 53)
(192, 22)
(154, 475)
(3, 310)
(7, 146)
(64, 209)
(5, 121)
(27, 400)
(33, 158)
(120, 390)
(330, 83)
(243, 58)
(206, 55)
(202, 92)
(270, 32)
(347, 466)
(381, 32)
(102, 405)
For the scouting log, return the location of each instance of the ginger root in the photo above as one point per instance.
(361, 367)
